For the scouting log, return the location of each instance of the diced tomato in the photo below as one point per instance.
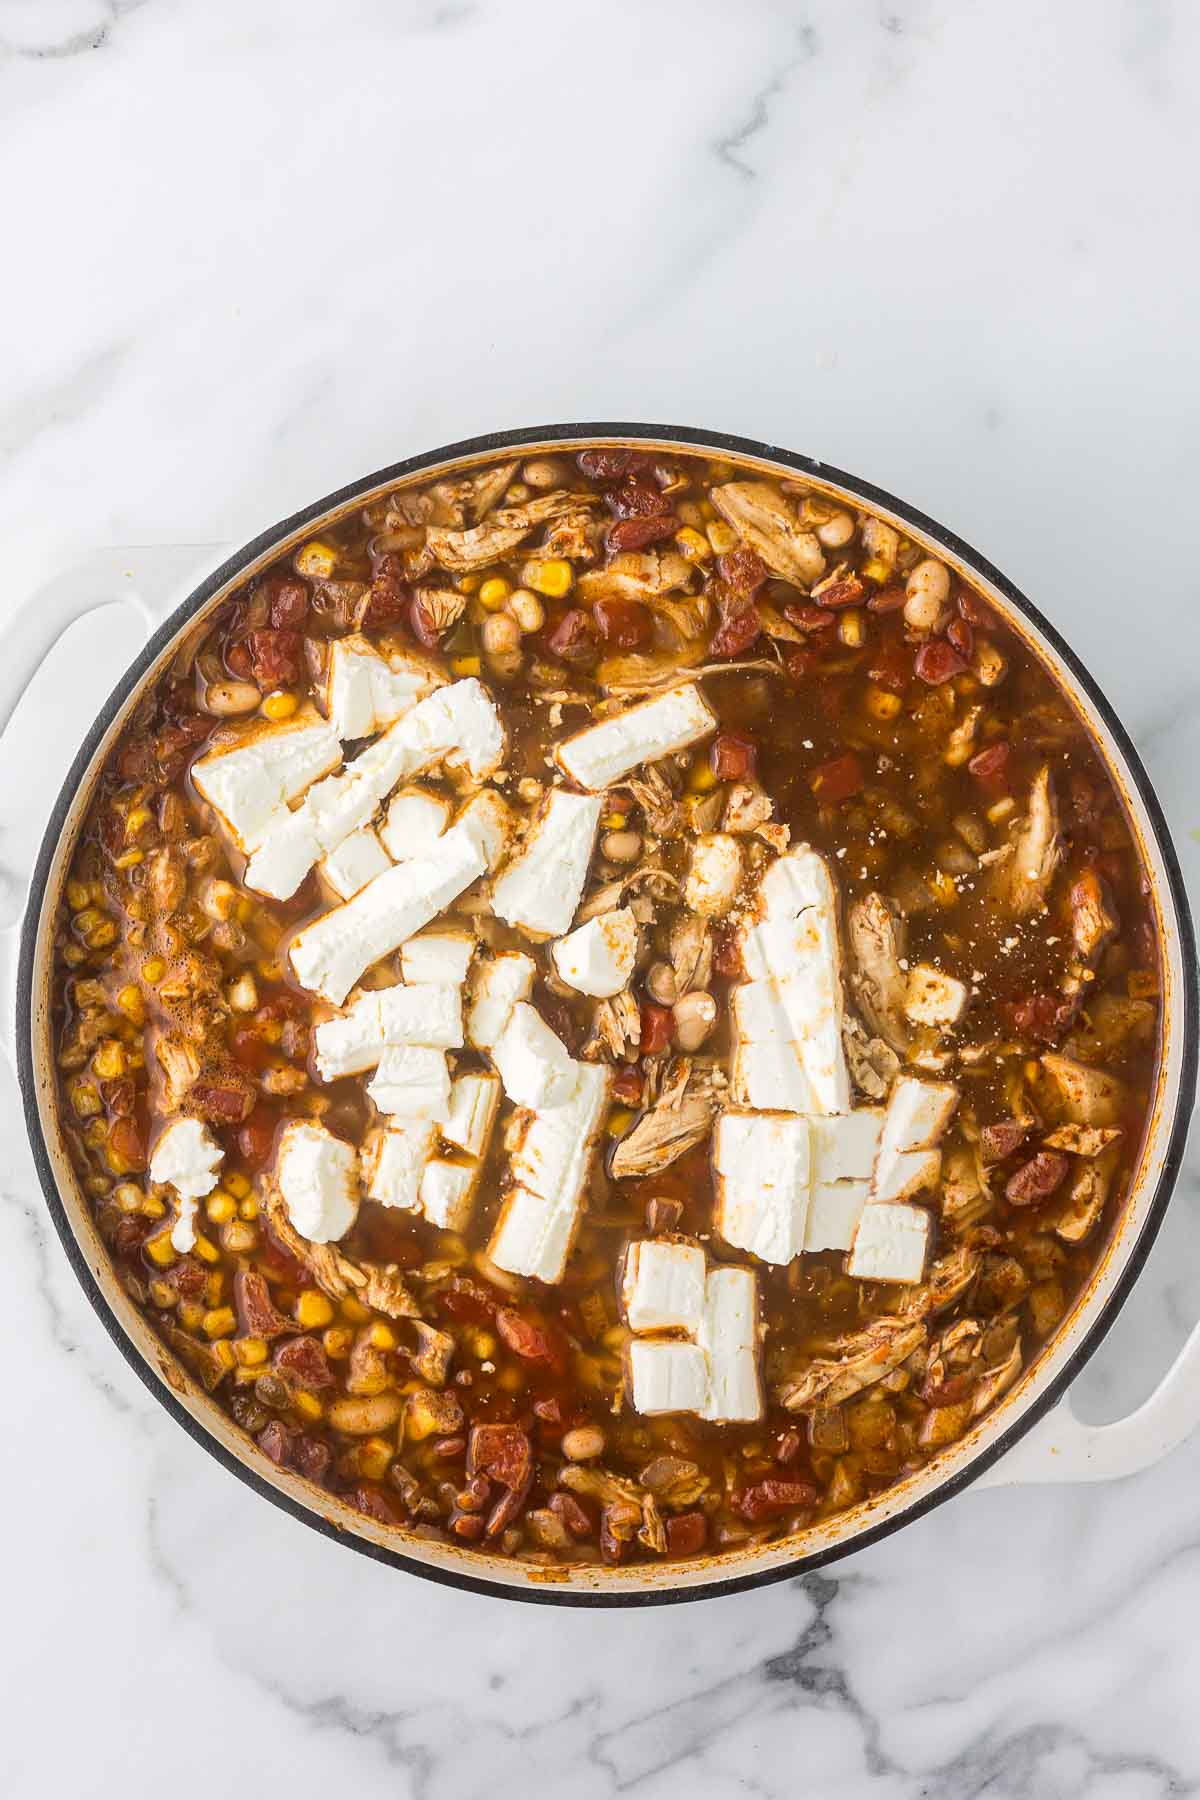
(973, 610)
(686, 1533)
(250, 1049)
(501, 1452)
(256, 1310)
(733, 756)
(1044, 1016)
(275, 657)
(627, 1085)
(289, 600)
(799, 662)
(623, 623)
(639, 533)
(387, 603)
(305, 1361)
(937, 662)
(256, 1137)
(658, 1026)
(727, 953)
(238, 661)
(222, 1102)
(990, 768)
(776, 1494)
(736, 633)
(891, 667)
(533, 1343)
(638, 496)
(743, 570)
(837, 781)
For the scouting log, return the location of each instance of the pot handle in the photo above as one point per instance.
(1061, 1447)
(146, 577)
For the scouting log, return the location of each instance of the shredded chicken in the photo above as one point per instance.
(635, 575)
(764, 521)
(1090, 1185)
(432, 1356)
(616, 1490)
(997, 1381)
(654, 795)
(862, 1359)
(873, 1064)
(574, 537)
(1021, 882)
(616, 1027)
(180, 1065)
(949, 1278)
(876, 935)
(681, 1118)
(374, 1284)
(747, 807)
(441, 606)
(691, 949)
(1085, 1096)
(466, 502)
(461, 551)
(625, 677)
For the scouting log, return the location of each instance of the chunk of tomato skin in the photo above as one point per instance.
(572, 638)
(256, 1137)
(627, 1085)
(937, 662)
(737, 633)
(888, 599)
(733, 756)
(625, 624)
(836, 781)
(960, 635)
(687, 1533)
(799, 663)
(275, 656)
(743, 570)
(531, 1342)
(990, 767)
(289, 600)
(807, 617)
(973, 609)
(658, 1028)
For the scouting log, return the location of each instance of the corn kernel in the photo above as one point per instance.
(1003, 809)
(355, 1311)
(373, 1456)
(220, 1322)
(152, 1207)
(876, 570)
(96, 1186)
(214, 1287)
(137, 819)
(220, 1206)
(381, 1336)
(307, 1405)
(701, 779)
(128, 1196)
(316, 560)
(223, 1353)
(722, 537)
(206, 1250)
(153, 969)
(95, 1134)
(238, 1186)
(78, 895)
(85, 1098)
(245, 910)
(942, 888)
(128, 859)
(312, 1309)
(465, 665)
(191, 1316)
(239, 1238)
(619, 1121)
(613, 821)
(269, 969)
(482, 1344)
(73, 955)
(707, 510)
(852, 627)
(130, 1002)
(163, 1295)
(494, 592)
(248, 1207)
(161, 1250)
(280, 706)
(693, 544)
(467, 584)
(336, 1342)
(109, 1060)
(251, 1352)
(101, 936)
(882, 705)
(552, 577)
(243, 993)
(1032, 1070)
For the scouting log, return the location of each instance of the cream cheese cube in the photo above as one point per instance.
(491, 818)
(426, 1013)
(890, 1244)
(364, 691)
(605, 753)
(666, 1376)
(915, 1119)
(474, 1103)
(834, 1209)
(662, 1286)
(540, 889)
(715, 874)
(535, 1231)
(534, 1065)
(762, 1163)
(934, 998)
(598, 958)
(441, 954)
(412, 1082)
(728, 1336)
(250, 783)
(845, 1147)
(317, 1177)
(533, 1234)
(498, 984)
(416, 818)
(448, 1193)
(351, 1043)
(357, 860)
(394, 1161)
(770, 1076)
(186, 1157)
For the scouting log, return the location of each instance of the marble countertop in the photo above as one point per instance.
(254, 251)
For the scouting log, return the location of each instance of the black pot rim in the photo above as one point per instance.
(492, 443)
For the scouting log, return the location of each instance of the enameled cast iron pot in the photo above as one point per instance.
(1031, 1436)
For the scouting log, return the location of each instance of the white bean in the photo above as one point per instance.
(363, 1417)
(695, 1016)
(836, 532)
(526, 609)
(622, 846)
(661, 983)
(928, 590)
(544, 472)
(224, 698)
(583, 1443)
(499, 634)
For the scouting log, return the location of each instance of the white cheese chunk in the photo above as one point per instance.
(758, 1015)
(729, 1337)
(364, 691)
(357, 860)
(250, 784)
(462, 728)
(491, 818)
(498, 984)
(351, 1043)
(442, 954)
(448, 1193)
(605, 753)
(934, 998)
(331, 954)
(770, 1076)
(535, 1231)
(598, 958)
(416, 818)
(540, 889)
(915, 1118)
(532, 1062)
(474, 1102)
(715, 874)
(394, 1161)
(890, 1244)
(666, 1376)
(662, 1287)
(763, 1172)
(317, 1177)
(429, 1014)
(412, 1082)
(845, 1147)
(186, 1157)
(834, 1209)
